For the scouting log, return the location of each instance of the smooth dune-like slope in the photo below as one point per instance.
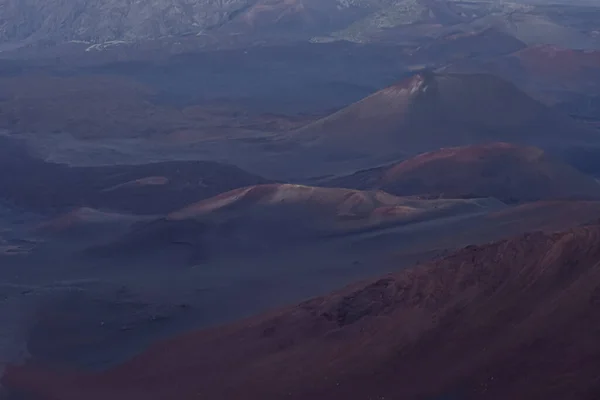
(265, 216)
(501, 170)
(512, 319)
(559, 63)
(332, 203)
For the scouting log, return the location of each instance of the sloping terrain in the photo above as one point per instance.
(568, 79)
(482, 44)
(507, 172)
(586, 159)
(510, 319)
(265, 217)
(553, 62)
(34, 184)
(297, 18)
(344, 204)
(94, 313)
(548, 66)
(101, 25)
(111, 22)
(429, 111)
(538, 29)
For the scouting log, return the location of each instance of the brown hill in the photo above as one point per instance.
(556, 76)
(512, 319)
(501, 170)
(230, 285)
(325, 210)
(260, 217)
(334, 202)
(429, 111)
(559, 63)
(288, 18)
(566, 78)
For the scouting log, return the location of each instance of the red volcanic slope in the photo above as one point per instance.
(84, 222)
(436, 110)
(545, 71)
(553, 61)
(515, 319)
(281, 210)
(264, 217)
(423, 113)
(505, 171)
(322, 203)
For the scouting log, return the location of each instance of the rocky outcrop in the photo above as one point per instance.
(106, 20)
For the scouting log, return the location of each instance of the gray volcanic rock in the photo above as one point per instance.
(426, 112)
(55, 21)
(126, 20)
(25, 22)
(105, 20)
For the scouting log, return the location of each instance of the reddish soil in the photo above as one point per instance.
(431, 111)
(273, 216)
(553, 75)
(515, 319)
(557, 62)
(505, 171)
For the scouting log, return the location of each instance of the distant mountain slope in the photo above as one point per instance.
(545, 65)
(109, 22)
(115, 20)
(84, 223)
(501, 170)
(329, 210)
(485, 43)
(566, 78)
(105, 20)
(553, 62)
(512, 319)
(538, 29)
(429, 111)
